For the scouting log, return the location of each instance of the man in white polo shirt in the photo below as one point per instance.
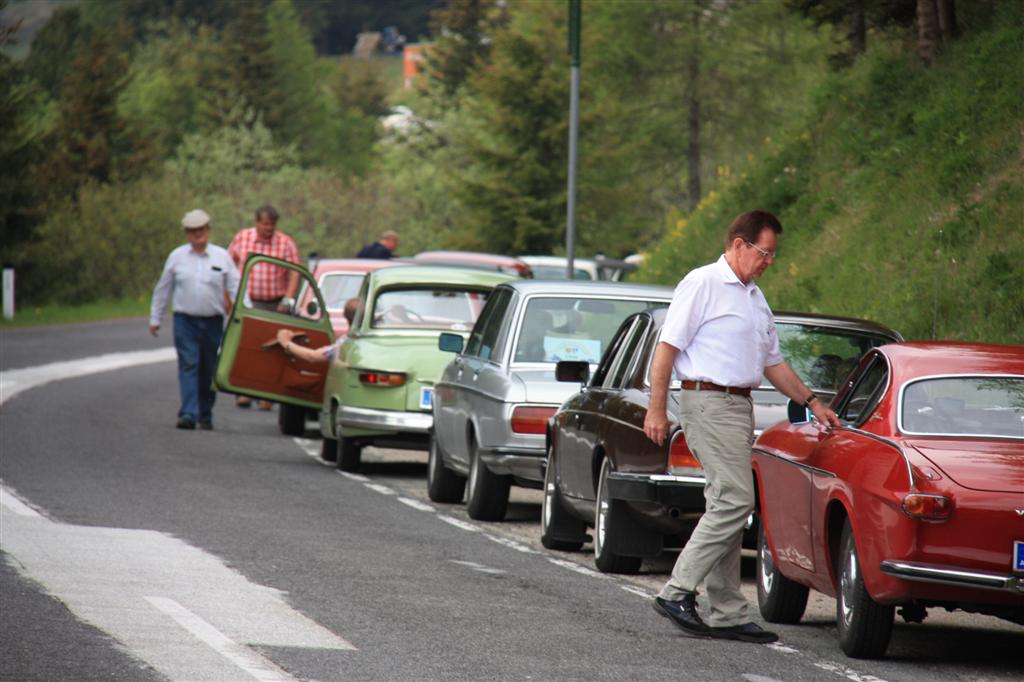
(719, 337)
(200, 280)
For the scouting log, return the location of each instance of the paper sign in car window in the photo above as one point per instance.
(558, 348)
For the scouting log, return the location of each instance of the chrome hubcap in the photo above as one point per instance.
(846, 586)
(767, 568)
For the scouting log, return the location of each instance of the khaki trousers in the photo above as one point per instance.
(719, 428)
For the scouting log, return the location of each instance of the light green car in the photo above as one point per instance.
(381, 381)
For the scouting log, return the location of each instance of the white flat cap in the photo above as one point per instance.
(194, 219)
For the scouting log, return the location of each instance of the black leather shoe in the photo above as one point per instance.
(206, 426)
(682, 613)
(748, 632)
(185, 423)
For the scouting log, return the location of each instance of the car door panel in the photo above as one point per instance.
(252, 363)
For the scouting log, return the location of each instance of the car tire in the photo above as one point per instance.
(780, 599)
(611, 523)
(329, 450)
(558, 528)
(349, 454)
(291, 419)
(443, 484)
(864, 625)
(487, 495)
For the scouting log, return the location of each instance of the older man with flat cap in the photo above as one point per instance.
(200, 280)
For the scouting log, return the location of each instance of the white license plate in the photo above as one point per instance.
(1018, 556)
(426, 394)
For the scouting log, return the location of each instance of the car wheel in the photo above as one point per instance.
(487, 499)
(558, 528)
(864, 625)
(291, 419)
(348, 455)
(443, 484)
(329, 450)
(610, 524)
(780, 599)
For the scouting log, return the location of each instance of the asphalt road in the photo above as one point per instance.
(134, 551)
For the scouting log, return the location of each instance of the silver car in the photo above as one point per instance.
(492, 403)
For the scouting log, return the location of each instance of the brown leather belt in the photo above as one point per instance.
(708, 386)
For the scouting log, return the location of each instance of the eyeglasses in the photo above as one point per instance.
(764, 252)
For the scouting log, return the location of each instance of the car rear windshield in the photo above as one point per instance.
(823, 357)
(964, 406)
(556, 329)
(339, 287)
(427, 308)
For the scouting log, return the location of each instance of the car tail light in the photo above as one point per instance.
(931, 507)
(680, 459)
(381, 379)
(531, 419)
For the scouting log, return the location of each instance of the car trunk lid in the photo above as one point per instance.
(987, 465)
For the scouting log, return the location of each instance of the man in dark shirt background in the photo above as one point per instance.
(383, 248)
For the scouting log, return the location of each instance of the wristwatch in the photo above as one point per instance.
(810, 399)
(287, 301)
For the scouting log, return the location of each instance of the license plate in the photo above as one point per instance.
(1018, 556)
(426, 394)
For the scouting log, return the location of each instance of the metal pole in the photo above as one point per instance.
(8, 284)
(574, 112)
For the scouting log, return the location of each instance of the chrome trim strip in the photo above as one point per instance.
(890, 443)
(907, 384)
(952, 576)
(363, 418)
(658, 478)
(799, 465)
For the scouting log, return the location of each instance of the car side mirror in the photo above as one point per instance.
(450, 343)
(573, 370)
(312, 309)
(797, 413)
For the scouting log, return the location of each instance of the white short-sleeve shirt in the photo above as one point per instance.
(723, 328)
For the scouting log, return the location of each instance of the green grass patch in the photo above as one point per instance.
(56, 313)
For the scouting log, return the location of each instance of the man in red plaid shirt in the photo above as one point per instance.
(271, 287)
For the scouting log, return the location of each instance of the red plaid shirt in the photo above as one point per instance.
(266, 282)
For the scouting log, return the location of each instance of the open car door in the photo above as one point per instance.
(251, 361)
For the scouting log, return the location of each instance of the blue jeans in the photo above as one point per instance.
(197, 339)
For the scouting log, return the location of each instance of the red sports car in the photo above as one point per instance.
(916, 501)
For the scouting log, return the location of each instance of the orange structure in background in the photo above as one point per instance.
(413, 57)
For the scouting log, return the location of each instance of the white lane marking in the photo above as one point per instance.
(310, 447)
(637, 591)
(573, 566)
(248, 660)
(782, 648)
(518, 546)
(103, 576)
(848, 673)
(382, 489)
(354, 477)
(15, 505)
(459, 523)
(416, 504)
(751, 677)
(478, 567)
(14, 381)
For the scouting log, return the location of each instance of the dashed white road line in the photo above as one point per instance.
(459, 523)
(478, 567)
(416, 504)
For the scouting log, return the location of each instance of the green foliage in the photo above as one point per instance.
(901, 200)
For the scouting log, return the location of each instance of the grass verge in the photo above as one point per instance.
(54, 313)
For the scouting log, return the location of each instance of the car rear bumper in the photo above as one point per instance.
(684, 494)
(953, 576)
(524, 463)
(385, 421)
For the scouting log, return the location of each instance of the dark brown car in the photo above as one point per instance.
(642, 498)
